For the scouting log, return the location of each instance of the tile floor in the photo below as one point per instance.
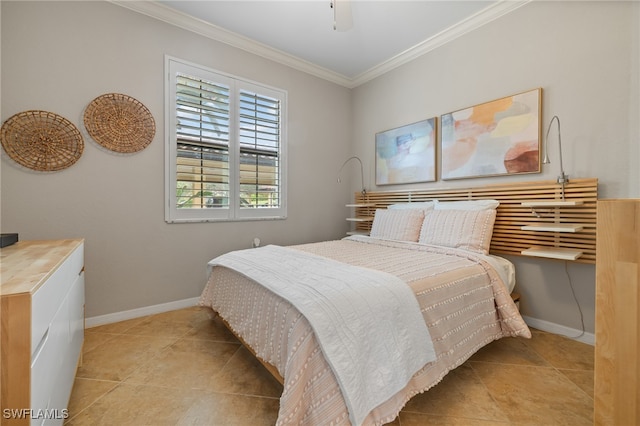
(185, 368)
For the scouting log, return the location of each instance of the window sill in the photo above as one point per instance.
(244, 219)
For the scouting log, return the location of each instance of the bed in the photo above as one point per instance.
(440, 256)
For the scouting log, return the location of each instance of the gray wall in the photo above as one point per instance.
(58, 56)
(585, 57)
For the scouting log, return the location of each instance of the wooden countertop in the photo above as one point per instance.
(25, 265)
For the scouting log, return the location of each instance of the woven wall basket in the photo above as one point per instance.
(41, 140)
(119, 123)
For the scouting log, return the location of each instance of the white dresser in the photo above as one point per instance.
(42, 318)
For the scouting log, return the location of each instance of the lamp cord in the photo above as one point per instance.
(566, 270)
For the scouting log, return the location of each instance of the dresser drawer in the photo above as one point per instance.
(48, 358)
(59, 396)
(54, 359)
(47, 299)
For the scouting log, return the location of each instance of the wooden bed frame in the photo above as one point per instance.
(553, 227)
(270, 368)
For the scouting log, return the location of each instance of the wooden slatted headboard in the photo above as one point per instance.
(570, 226)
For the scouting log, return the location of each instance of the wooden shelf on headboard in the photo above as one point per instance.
(578, 210)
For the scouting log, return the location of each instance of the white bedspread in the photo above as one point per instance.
(355, 313)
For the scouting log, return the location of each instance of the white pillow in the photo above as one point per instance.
(463, 229)
(424, 205)
(467, 205)
(400, 224)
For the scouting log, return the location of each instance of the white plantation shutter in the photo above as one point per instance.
(202, 138)
(225, 147)
(259, 125)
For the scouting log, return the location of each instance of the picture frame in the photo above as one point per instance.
(500, 137)
(407, 154)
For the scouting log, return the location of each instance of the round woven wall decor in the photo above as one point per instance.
(41, 140)
(119, 123)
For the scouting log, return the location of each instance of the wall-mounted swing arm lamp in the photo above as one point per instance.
(563, 178)
(364, 191)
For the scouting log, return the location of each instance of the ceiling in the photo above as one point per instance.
(299, 33)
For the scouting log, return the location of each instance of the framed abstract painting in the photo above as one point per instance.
(407, 154)
(501, 137)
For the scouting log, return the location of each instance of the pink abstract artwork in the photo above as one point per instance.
(500, 137)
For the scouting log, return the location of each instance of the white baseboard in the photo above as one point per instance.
(139, 312)
(572, 333)
(588, 338)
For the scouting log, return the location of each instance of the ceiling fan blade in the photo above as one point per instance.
(342, 19)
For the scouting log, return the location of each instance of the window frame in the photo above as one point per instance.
(236, 84)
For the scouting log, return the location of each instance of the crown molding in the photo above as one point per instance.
(214, 32)
(485, 16)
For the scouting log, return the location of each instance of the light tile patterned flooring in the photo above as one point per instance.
(184, 368)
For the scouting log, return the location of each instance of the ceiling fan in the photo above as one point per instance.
(342, 19)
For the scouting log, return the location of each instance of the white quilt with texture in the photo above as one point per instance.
(368, 323)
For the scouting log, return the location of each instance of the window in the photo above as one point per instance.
(226, 141)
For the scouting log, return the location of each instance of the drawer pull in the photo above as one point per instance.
(40, 346)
